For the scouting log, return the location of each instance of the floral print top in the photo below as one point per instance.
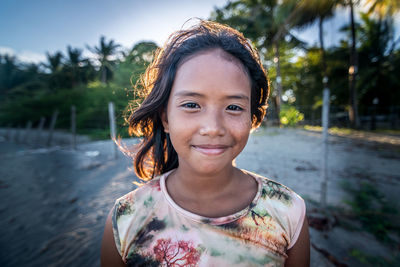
(150, 229)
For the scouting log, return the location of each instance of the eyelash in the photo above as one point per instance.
(234, 108)
(192, 105)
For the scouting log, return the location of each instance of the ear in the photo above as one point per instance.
(164, 120)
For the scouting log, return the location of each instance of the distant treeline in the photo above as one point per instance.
(361, 72)
(31, 91)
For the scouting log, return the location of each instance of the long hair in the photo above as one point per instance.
(155, 155)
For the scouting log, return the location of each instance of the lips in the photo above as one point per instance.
(210, 150)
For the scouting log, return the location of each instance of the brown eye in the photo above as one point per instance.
(234, 108)
(190, 105)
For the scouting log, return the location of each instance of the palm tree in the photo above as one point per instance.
(8, 70)
(54, 61)
(306, 13)
(142, 53)
(56, 78)
(105, 51)
(384, 9)
(74, 62)
(261, 21)
(353, 110)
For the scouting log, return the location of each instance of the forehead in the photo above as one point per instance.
(219, 53)
(212, 70)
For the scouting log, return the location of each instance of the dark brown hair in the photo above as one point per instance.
(155, 154)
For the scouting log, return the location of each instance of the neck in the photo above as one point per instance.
(202, 185)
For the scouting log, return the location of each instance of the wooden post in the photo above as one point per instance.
(325, 125)
(39, 131)
(52, 125)
(27, 134)
(111, 115)
(73, 127)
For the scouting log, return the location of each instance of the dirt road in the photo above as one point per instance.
(53, 202)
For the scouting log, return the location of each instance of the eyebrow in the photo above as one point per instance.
(190, 93)
(239, 96)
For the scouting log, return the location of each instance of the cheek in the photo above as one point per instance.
(179, 130)
(241, 129)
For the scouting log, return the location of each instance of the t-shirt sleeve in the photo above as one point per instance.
(122, 220)
(115, 227)
(296, 214)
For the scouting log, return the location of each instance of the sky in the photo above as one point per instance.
(29, 29)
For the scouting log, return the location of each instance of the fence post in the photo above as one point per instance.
(39, 131)
(73, 127)
(325, 125)
(52, 125)
(27, 132)
(111, 115)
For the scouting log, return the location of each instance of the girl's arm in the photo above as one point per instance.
(299, 254)
(109, 253)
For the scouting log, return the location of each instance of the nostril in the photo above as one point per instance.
(212, 131)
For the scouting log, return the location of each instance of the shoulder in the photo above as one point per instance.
(143, 195)
(283, 204)
(277, 192)
(131, 211)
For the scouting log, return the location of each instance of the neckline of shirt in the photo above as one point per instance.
(203, 219)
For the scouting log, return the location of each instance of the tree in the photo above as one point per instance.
(105, 52)
(383, 8)
(134, 64)
(306, 13)
(377, 75)
(353, 108)
(54, 61)
(265, 23)
(56, 78)
(8, 72)
(142, 53)
(74, 64)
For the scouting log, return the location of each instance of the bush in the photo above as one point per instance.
(290, 116)
(91, 104)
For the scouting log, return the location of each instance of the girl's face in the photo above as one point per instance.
(208, 116)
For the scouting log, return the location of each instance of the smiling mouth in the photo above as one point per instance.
(210, 150)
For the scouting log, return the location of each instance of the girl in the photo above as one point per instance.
(206, 90)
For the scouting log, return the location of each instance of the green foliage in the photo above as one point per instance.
(134, 64)
(290, 116)
(105, 52)
(368, 260)
(28, 93)
(373, 210)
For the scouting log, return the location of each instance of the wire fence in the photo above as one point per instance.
(69, 126)
(373, 117)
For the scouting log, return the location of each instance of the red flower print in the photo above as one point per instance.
(181, 253)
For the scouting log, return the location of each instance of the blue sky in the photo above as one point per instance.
(30, 28)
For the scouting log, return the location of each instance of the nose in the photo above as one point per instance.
(212, 124)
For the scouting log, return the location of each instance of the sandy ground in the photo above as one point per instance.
(54, 201)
